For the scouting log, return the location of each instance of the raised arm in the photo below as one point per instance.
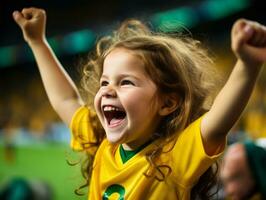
(249, 45)
(61, 90)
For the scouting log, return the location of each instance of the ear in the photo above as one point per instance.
(169, 104)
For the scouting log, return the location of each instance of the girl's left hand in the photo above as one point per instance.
(249, 42)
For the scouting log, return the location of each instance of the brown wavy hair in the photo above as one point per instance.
(178, 65)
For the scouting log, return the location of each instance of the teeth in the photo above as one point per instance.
(110, 108)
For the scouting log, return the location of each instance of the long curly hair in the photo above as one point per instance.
(178, 65)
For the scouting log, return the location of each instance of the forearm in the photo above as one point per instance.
(236, 93)
(59, 87)
(232, 99)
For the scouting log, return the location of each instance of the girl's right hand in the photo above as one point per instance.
(32, 22)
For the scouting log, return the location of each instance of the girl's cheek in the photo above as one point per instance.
(97, 100)
(97, 106)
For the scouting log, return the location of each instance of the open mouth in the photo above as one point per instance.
(113, 115)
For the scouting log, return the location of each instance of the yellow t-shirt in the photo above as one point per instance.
(113, 179)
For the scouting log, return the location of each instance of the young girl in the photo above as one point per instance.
(155, 139)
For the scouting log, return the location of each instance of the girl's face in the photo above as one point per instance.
(127, 103)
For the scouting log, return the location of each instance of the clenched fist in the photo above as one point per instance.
(32, 22)
(249, 41)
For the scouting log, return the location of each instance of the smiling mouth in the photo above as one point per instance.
(113, 115)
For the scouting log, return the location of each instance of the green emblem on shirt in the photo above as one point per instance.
(114, 189)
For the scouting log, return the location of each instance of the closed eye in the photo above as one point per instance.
(127, 82)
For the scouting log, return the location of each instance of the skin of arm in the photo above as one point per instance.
(61, 90)
(248, 41)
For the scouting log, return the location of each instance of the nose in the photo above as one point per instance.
(109, 92)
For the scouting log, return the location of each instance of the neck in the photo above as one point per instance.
(133, 146)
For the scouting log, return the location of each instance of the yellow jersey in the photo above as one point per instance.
(114, 179)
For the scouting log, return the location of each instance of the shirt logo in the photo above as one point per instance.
(115, 188)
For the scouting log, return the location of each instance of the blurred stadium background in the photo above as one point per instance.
(33, 141)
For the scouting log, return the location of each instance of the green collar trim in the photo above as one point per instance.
(127, 154)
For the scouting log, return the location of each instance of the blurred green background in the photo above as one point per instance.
(47, 163)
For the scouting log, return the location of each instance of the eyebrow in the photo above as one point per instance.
(123, 76)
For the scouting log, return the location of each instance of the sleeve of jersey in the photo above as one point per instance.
(189, 159)
(81, 131)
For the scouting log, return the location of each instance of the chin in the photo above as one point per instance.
(115, 139)
(116, 136)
